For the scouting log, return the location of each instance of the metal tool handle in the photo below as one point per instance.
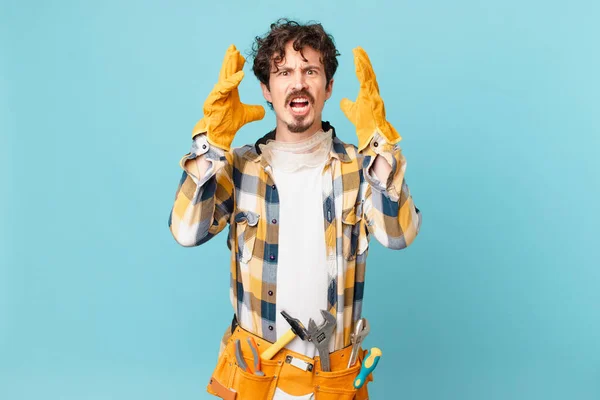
(254, 349)
(353, 356)
(361, 329)
(240, 357)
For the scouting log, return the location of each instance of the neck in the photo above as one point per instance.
(282, 133)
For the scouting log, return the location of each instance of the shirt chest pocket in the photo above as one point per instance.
(246, 227)
(353, 242)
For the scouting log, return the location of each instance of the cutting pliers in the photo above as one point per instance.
(240, 358)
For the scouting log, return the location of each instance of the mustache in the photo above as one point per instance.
(303, 93)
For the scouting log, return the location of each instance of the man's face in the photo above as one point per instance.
(298, 90)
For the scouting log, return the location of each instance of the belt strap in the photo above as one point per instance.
(234, 323)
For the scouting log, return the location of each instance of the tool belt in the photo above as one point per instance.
(288, 371)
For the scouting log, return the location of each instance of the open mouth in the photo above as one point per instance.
(299, 105)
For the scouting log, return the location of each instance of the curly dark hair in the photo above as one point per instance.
(272, 47)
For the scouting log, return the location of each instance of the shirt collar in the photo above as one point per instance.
(338, 150)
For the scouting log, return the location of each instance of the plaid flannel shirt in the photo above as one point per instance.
(238, 191)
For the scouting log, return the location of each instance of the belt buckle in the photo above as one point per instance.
(298, 363)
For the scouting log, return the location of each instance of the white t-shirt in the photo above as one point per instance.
(301, 271)
(302, 279)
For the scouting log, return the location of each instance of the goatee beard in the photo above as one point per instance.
(299, 126)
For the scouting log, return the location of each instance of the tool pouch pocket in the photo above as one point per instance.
(246, 228)
(241, 384)
(220, 381)
(250, 386)
(339, 385)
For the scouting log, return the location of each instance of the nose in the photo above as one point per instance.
(299, 82)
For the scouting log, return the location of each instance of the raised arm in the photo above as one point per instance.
(390, 212)
(204, 196)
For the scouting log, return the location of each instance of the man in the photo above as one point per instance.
(301, 207)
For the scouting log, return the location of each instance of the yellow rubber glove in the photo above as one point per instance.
(367, 113)
(224, 113)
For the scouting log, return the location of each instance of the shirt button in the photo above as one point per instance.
(375, 144)
(274, 221)
(271, 257)
(270, 327)
(270, 293)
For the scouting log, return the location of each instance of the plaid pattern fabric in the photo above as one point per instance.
(239, 192)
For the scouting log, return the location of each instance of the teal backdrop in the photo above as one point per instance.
(497, 103)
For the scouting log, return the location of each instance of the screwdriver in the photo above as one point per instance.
(368, 365)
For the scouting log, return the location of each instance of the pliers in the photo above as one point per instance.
(240, 358)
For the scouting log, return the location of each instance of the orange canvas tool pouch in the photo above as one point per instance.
(231, 382)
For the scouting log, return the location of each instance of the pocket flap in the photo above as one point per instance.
(349, 217)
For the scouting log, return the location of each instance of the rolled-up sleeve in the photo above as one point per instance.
(203, 204)
(391, 214)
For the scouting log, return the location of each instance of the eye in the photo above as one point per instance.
(284, 73)
(310, 72)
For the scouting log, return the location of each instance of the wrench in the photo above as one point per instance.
(321, 335)
(361, 329)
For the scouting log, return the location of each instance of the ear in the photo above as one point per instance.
(266, 92)
(329, 89)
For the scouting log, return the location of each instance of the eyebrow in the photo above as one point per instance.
(307, 67)
(311, 67)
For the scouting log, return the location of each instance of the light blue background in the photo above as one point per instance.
(497, 102)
